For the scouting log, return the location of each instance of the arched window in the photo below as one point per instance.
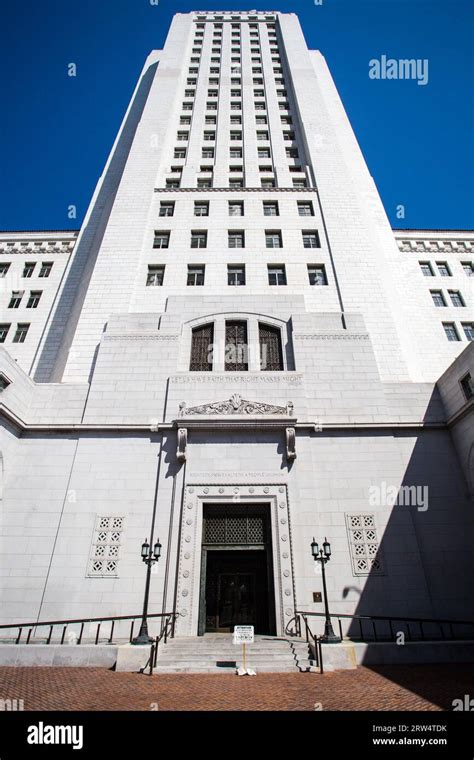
(201, 348)
(236, 346)
(271, 355)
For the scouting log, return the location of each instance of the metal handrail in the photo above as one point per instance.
(318, 652)
(153, 658)
(169, 620)
(393, 619)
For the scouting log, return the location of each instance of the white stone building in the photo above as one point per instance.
(236, 353)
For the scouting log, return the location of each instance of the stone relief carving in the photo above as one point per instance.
(235, 405)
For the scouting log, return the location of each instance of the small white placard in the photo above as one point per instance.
(243, 634)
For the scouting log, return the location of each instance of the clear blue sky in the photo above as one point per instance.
(56, 131)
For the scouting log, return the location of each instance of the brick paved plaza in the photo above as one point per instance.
(422, 687)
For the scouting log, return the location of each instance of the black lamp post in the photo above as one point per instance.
(323, 555)
(149, 558)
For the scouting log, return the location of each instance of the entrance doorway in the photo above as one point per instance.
(236, 577)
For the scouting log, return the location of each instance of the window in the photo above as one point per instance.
(235, 105)
(15, 299)
(28, 269)
(235, 152)
(212, 93)
(235, 168)
(155, 275)
(300, 183)
(467, 385)
(33, 299)
(236, 208)
(283, 106)
(236, 239)
(310, 239)
(201, 208)
(276, 274)
(268, 183)
(4, 332)
(451, 331)
(166, 208)
(236, 348)
(185, 120)
(264, 152)
(189, 93)
(207, 153)
(261, 120)
(236, 93)
(438, 298)
(443, 269)
(270, 208)
(182, 136)
(46, 267)
(363, 544)
(209, 136)
(259, 93)
(210, 120)
(468, 268)
(236, 274)
(317, 274)
(286, 120)
(236, 120)
(187, 107)
(292, 152)
(201, 348)
(271, 356)
(273, 239)
(426, 269)
(234, 135)
(288, 135)
(305, 208)
(211, 106)
(468, 328)
(262, 135)
(177, 169)
(4, 269)
(191, 80)
(213, 80)
(161, 239)
(196, 274)
(172, 183)
(456, 298)
(180, 152)
(21, 333)
(104, 555)
(236, 182)
(260, 107)
(199, 239)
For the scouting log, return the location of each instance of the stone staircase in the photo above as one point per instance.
(215, 653)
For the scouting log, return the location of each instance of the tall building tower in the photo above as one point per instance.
(238, 355)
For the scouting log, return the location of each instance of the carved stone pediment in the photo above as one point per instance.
(235, 405)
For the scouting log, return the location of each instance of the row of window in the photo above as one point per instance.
(443, 268)
(235, 136)
(236, 354)
(236, 239)
(452, 331)
(17, 296)
(28, 269)
(236, 274)
(440, 300)
(235, 153)
(268, 183)
(237, 208)
(19, 335)
(235, 119)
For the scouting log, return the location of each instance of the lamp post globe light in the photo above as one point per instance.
(323, 555)
(149, 557)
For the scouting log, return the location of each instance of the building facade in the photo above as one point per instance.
(235, 354)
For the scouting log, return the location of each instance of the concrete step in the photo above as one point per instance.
(217, 654)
